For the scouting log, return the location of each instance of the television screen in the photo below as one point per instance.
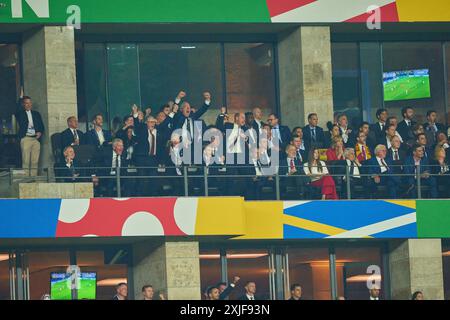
(406, 85)
(60, 286)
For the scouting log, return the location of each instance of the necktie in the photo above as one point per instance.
(352, 168)
(117, 161)
(188, 125)
(299, 154)
(396, 155)
(75, 135)
(384, 164)
(363, 149)
(313, 134)
(152, 148)
(292, 165)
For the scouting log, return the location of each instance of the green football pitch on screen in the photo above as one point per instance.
(61, 290)
(407, 88)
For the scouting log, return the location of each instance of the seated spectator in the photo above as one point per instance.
(371, 139)
(361, 148)
(300, 151)
(318, 172)
(397, 154)
(292, 164)
(72, 136)
(354, 170)
(380, 169)
(336, 152)
(442, 141)
(394, 121)
(297, 131)
(332, 134)
(389, 134)
(422, 140)
(69, 169)
(98, 136)
(347, 134)
(432, 126)
(441, 168)
(418, 129)
(418, 161)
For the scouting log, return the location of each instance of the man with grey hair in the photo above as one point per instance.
(113, 162)
(354, 168)
(380, 168)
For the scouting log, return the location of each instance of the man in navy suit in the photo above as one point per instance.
(282, 133)
(31, 129)
(72, 136)
(378, 129)
(313, 134)
(432, 126)
(250, 291)
(98, 136)
(380, 167)
(412, 164)
(405, 127)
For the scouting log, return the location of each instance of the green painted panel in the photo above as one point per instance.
(433, 218)
(98, 11)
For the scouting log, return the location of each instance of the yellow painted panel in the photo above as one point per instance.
(312, 225)
(425, 11)
(220, 216)
(263, 220)
(405, 203)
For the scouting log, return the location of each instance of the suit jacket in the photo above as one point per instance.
(67, 138)
(142, 147)
(405, 131)
(374, 168)
(245, 298)
(409, 167)
(92, 137)
(179, 119)
(105, 163)
(376, 131)
(62, 171)
(351, 137)
(284, 167)
(285, 134)
(320, 138)
(398, 164)
(22, 121)
(440, 127)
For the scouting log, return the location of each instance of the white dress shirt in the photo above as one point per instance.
(356, 173)
(234, 140)
(30, 129)
(315, 171)
(101, 137)
(382, 166)
(154, 131)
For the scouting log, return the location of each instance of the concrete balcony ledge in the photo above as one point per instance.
(44, 190)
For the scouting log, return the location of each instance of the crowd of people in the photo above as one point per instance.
(222, 291)
(383, 159)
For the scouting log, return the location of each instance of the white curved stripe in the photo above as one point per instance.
(329, 10)
(378, 227)
(290, 204)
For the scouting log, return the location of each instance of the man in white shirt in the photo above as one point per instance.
(97, 136)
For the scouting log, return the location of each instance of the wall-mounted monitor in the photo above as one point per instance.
(406, 85)
(61, 286)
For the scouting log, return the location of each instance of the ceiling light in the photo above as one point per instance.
(235, 256)
(110, 282)
(188, 47)
(4, 257)
(446, 254)
(364, 278)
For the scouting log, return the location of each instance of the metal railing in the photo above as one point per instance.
(241, 181)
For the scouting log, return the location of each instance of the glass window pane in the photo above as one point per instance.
(250, 77)
(371, 75)
(352, 273)
(108, 275)
(250, 265)
(167, 68)
(346, 81)
(310, 267)
(210, 274)
(4, 276)
(92, 99)
(10, 82)
(415, 56)
(41, 265)
(123, 81)
(447, 63)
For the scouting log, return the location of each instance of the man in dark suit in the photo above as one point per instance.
(279, 132)
(291, 171)
(69, 169)
(225, 290)
(258, 116)
(380, 169)
(112, 160)
(300, 150)
(347, 133)
(374, 293)
(250, 291)
(149, 154)
(72, 136)
(378, 128)
(432, 126)
(31, 129)
(355, 169)
(121, 291)
(405, 126)
(296, 292)
(313, 134)
(128, 122)
(98, 136)
(418, 161)
(252, 130)
(397, 153)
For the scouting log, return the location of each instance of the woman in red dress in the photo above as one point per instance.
(318, 172)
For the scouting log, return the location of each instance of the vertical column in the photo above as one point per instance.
(305, 75)
(50, 80)
(173, 267)
(416, 264)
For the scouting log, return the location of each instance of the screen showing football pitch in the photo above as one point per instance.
(406, 85)
(61, 286)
